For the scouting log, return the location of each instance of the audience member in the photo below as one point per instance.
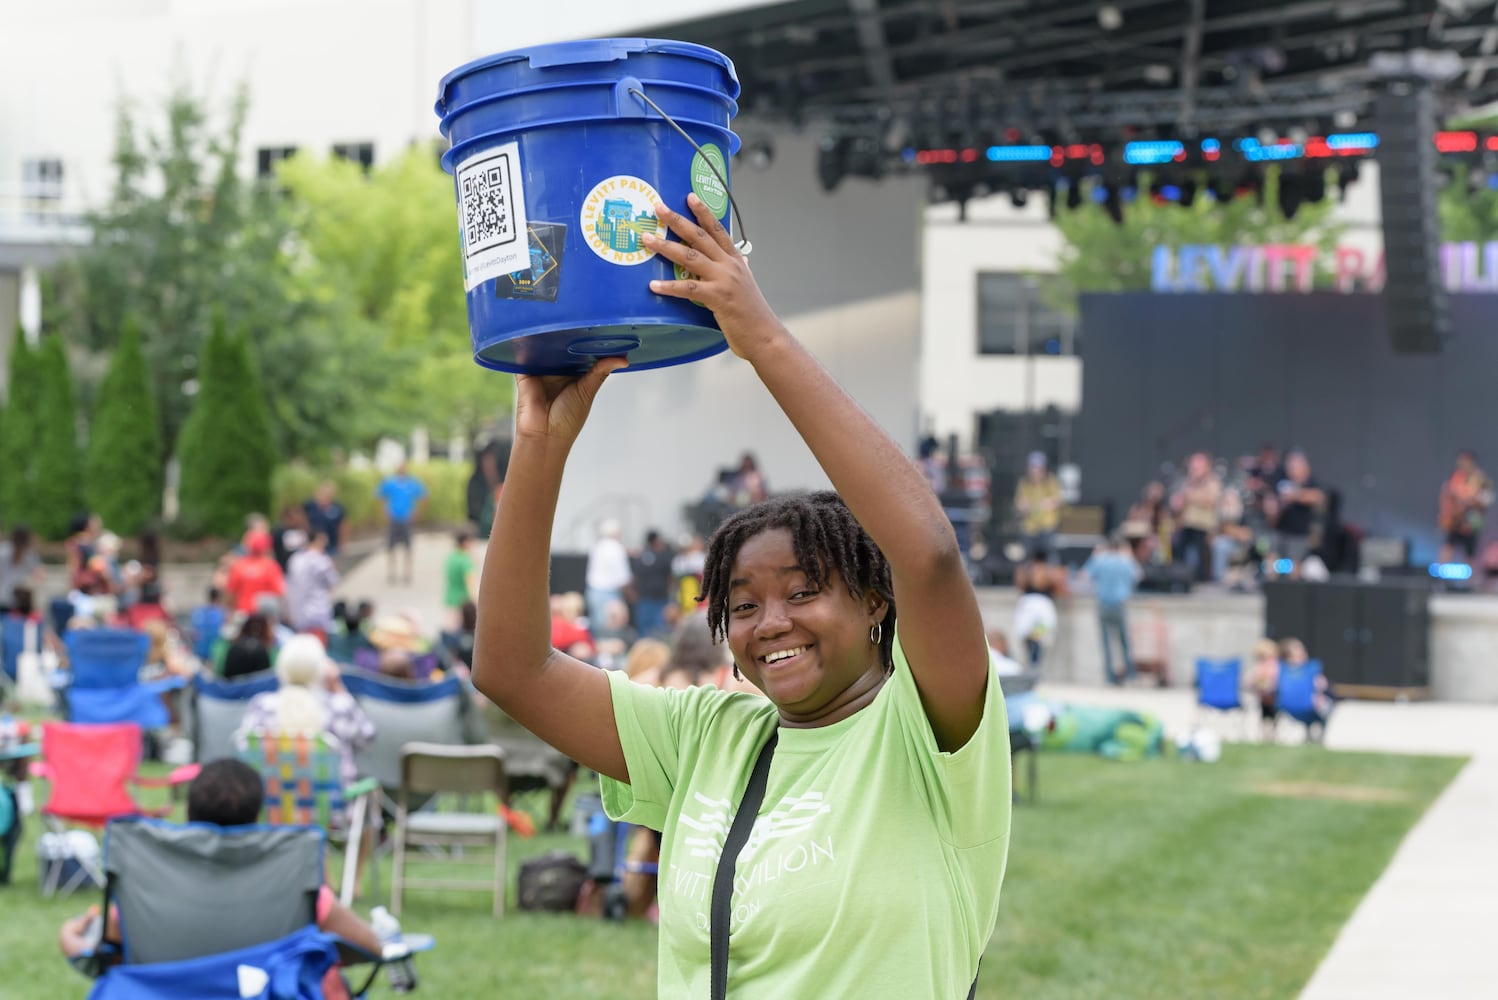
(310, 580)
(250, 650)
(289, 534)
(403, 496)
(1114, 575)
(207, 624)
(608, 572)
(1264, 679)
(687, 567)
(569, 632)
(325, 514)
(459, 583)
(1004, 664)
(1040, 585)
(20, 565)
(254, 573)
(651, 570)
(148, 607)
(230, 793)
(1037, 501)
(310, 699)
(397, 649)
(459, 641)
(645, 659)
(1293, 654)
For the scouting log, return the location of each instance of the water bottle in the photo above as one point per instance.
(401, 973)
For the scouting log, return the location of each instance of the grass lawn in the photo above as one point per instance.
(1157, 879)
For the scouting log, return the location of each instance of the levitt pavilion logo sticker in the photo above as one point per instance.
(616, 214)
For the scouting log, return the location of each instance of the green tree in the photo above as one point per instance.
(228, 450)
(58, 478)
(183, 234)
(123, 480)
(18, 445)
(386, 246)
(1103, 256)
(1469, 210)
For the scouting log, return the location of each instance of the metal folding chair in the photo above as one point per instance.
(434, 769)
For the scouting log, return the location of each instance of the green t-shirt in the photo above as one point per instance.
(874, 866)
(456, 572)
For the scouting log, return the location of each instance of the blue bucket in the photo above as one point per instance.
(557, 162)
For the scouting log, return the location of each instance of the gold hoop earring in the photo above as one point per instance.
(876, 632)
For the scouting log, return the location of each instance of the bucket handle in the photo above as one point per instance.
(635, 88)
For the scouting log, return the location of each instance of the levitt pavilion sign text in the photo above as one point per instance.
(1292, 267)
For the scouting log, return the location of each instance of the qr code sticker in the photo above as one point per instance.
(491, 206)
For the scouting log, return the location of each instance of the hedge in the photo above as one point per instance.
(446, 483)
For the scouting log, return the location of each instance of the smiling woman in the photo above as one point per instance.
(847, 833)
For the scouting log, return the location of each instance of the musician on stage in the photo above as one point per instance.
(1465, 498)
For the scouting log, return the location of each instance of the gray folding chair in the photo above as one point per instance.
(186, 892)
(407, 712)
(531, 764)
(431, 769)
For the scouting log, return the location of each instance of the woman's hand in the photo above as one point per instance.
(555, 407)
(720, 277)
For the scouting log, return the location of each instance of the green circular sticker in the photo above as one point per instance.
(705, 184)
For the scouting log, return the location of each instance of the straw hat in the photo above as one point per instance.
(396, 632)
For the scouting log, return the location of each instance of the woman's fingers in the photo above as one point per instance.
(710, 224)
(691, 232)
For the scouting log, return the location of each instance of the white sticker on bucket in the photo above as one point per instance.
(491, 209)
(616, 213)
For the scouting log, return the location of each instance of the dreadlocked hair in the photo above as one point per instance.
(826, 538)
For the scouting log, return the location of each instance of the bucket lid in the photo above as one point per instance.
(592, 50)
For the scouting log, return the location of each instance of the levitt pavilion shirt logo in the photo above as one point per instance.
(616, 213)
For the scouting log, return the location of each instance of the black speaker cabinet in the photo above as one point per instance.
(1414, 296)
(1373, 640)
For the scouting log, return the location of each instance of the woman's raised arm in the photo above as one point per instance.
(562, 700)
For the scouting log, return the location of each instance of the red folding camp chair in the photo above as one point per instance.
(91, 770)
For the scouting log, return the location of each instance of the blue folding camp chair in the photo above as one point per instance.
(1219, 689)
(1296, 697)
(103, 683)
(208, 912)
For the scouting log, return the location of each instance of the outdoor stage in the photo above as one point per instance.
(1181, 627)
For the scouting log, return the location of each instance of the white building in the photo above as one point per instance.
(883, 287)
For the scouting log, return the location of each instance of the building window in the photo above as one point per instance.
(41, 180)
(266, 158)
(1013, 318)
(361, 153)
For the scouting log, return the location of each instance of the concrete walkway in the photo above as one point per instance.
(423, 595)
(1428, 926)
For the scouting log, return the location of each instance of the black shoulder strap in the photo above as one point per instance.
(738, 835)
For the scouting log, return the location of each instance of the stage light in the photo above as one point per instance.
(1347, 173)
(1315, 186)
(1284, 567)
(1290, 195)
(1019, 197)
(1451, 571)
(1074, 194)
(1188, 193)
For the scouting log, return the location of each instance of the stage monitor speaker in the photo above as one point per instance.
(1414, 296)
(1385, 553)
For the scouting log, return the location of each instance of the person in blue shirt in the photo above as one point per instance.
(325, 514)
(403, 495)
(1114, 574)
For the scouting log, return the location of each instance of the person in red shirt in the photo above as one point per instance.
(254, 573)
